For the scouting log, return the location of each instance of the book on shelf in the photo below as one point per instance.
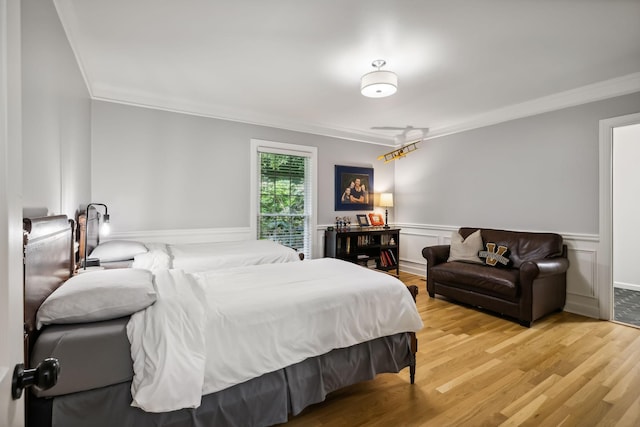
(393, 256)
(390, 262)
(383, 259)
(364, 240)
(387, 258)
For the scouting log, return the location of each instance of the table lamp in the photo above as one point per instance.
(386, 201)
(104, 228)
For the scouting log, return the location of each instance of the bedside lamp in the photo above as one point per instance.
(105, 228)
(386, 201)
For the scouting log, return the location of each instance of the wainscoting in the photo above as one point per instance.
(582, 277)
(192, 235)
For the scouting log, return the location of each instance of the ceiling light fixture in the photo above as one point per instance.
(379, 83)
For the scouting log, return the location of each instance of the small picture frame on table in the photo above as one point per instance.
(376, 220)
(362, 220)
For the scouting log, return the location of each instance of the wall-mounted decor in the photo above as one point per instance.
(354, 188)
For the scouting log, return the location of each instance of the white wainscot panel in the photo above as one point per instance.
(582, 276)
(203, 235)
(414, 238)
(318, 246)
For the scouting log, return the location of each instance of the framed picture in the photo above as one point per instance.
(362, 220)
(354, 188)
(376, 219)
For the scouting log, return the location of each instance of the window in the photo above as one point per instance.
(285, 194)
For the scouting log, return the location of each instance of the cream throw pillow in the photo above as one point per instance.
(466, 249)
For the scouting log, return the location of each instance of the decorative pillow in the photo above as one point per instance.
(465, 249)
(118, 250)
(495, 255)
(98, 295)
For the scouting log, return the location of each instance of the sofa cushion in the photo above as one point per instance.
(495, 255)
(501, 283)
(465, 249)
(523, 246)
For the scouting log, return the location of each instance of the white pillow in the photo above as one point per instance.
(117, 250)
(466, 249)
(98, 295)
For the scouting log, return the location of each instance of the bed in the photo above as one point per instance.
(193, 257)
(97, 371)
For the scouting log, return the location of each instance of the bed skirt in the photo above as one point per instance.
(262, 401)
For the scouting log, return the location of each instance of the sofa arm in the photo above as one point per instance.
(531, 270)
(435, 254)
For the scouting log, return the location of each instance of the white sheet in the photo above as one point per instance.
(168, 345)
(260, 319)
(196, 257)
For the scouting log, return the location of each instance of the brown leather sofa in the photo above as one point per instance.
(531, 286)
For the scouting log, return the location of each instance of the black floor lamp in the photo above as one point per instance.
(104, 228)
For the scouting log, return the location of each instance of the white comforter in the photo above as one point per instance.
(195, 257)
(209, 331)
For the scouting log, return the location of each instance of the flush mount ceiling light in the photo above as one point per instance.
(379, 83)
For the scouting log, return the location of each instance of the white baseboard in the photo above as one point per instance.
(412, 267)
(629, 286)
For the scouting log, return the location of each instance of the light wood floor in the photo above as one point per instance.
(477, 369)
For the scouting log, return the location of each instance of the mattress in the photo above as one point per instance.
(91, 355)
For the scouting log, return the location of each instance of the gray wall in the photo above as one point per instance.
(56, 115)
(159, 170)
(536, 173)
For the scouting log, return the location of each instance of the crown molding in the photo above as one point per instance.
(595, 92)
(619, 86)
(118, 96)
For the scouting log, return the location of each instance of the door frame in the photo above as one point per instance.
(12, 412)
(605, 247)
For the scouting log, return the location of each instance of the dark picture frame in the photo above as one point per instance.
(363, 221)
(356, 180)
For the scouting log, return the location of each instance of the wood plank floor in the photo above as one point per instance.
(477, 369)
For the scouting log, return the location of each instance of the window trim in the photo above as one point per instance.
(259, 145)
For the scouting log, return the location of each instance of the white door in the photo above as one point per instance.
(11, 298)
(605, 247)
(626, 230)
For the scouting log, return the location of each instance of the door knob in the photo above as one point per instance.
(43, 377)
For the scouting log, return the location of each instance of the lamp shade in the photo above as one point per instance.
(378, 84)
(105, 228)
(386, 200)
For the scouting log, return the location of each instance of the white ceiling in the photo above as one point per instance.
(296, 64)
